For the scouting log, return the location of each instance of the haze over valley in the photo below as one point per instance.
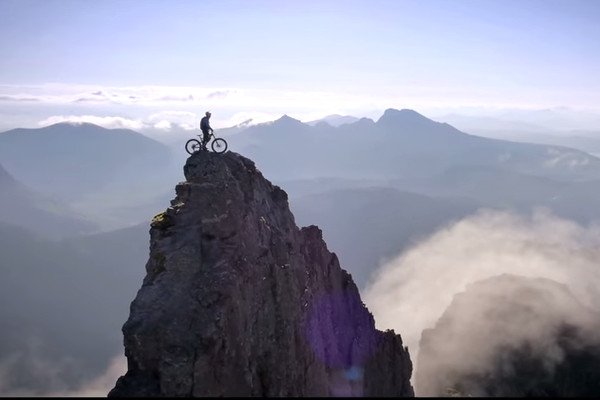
(448, 152)
(371, 204)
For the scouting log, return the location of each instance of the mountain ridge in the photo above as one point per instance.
(21, 206)
(78, 164)
(401, 144)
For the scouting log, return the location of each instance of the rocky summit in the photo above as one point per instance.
(239, 301)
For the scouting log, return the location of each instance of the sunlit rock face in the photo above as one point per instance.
(512, 336)
(238, 301)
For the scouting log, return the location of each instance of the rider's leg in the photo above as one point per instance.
(205, 138)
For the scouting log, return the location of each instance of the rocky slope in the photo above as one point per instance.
(238, 300)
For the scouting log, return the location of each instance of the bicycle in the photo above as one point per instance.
(218, 145)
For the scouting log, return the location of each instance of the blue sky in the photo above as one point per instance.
(302, 58)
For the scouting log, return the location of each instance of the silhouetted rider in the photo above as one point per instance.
(205, 128)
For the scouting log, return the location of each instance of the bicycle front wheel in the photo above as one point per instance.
(219, 145)
(192, 146)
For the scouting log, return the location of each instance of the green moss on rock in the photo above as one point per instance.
(161, 221)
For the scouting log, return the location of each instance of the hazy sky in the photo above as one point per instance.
(303, 58)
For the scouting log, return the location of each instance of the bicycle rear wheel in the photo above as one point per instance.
(192, 146)
(219, 145)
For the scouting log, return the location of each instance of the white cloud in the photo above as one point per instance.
(565, 158)
(411, 292)
(125, 95)
(163, 121)
(229, 104)
(218, 94)
(359, 101)
(301, 104)
(102, 384)
(480, 340)
(54, 374)
(163, 124)
(109, 122)
(184, 115)
(183, 119)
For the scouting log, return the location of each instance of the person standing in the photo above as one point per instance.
(205, 128)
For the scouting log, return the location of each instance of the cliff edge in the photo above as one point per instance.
(238, 301)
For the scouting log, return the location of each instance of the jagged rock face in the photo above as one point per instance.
(512, 336)
(238, 301)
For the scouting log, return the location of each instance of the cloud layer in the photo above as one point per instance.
(57, 374)
(27, 105)
(410, 293)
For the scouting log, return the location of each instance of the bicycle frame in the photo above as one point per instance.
(219, 142)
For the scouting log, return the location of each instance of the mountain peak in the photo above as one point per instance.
(410, 122)
(287, 120)
(406, 115)
(239, 301)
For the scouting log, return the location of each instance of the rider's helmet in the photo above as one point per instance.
(208, 113)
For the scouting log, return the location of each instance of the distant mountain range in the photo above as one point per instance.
(374, 187)
(340, 178)
(95, 171)
(71, 160)
(22, 207)
(567, 128)
(588, 141)
(116, 178)
(401, 144)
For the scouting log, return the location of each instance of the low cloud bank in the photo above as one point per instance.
(58, 375)
(163, 121)
(101, 385)
(411, 292)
